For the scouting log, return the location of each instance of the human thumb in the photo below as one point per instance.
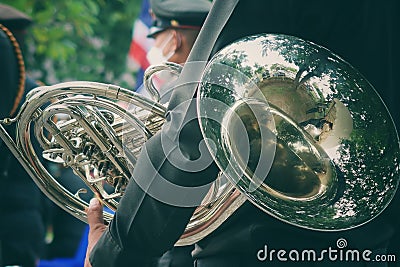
(95, 212)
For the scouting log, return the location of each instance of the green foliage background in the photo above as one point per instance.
(79, 40)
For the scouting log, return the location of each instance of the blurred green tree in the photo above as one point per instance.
(79, 40)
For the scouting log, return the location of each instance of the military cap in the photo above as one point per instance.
(178, 14)
(13, 18)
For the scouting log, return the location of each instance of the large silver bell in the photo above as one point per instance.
(299, 131)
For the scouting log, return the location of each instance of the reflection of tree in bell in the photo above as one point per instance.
(290, 174)
(370, 160)
(314, 88)
(310, 60)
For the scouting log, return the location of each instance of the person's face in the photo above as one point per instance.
(168, 46)
(162, 50)
(164, 41)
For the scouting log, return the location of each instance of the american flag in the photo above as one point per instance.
(140, 44)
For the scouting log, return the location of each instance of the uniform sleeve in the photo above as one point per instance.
(149, 221)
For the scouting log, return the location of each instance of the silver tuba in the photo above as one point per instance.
(294, 129)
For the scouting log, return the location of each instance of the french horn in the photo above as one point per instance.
(294, 129)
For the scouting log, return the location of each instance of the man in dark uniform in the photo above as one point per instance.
(21, 202)
(363, 33)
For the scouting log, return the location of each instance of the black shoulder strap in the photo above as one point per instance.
(216, 20)
(219, 14)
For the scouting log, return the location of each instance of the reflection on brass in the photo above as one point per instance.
(81, 125)
(293, 173)
(329, 147)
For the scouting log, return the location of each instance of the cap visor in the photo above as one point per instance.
(154, 30)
